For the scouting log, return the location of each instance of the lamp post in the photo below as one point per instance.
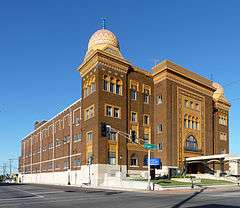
(89, 170)
(120, 161)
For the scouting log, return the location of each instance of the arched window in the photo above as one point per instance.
(189, 122)
(193, 123)
(112, 85)
(134, 160)
(105, 83)
(119, 87)
(145, 160)
(185, 122)
(191, 144)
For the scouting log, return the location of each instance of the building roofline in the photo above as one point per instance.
(51, 119)
(167, 64)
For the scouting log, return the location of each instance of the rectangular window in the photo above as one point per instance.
(57, 143)
(66, 165)
(77, 121)
(160, 146)
(116, 112)
(146, 138)
(66, 139)
(113, 136)
(159, 128)
(134, 117)
(112, 158)
(77, 137)
(134, 136)
(77, 162)
(146, 119)
(146, 98)
(89, 112)
(109, 110)
(133, 94)
(89, 136)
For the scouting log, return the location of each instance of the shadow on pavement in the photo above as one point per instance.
(189, 198)
(214, 206)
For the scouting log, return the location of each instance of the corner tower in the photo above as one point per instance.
(104, 74)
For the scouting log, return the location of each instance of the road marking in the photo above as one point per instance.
(49, 192)
(54, 200)
(17, 189)
(234, 194)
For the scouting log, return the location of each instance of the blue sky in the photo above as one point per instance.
(42, 43)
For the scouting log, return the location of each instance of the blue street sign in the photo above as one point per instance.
(153, 161)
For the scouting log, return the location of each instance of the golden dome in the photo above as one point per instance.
(102, 37)
(103, 40)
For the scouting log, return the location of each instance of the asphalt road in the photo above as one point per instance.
(70, 197)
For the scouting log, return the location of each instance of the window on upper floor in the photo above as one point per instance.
(112, 136)
(159, 99)
(112, 111)
(112, 84)
(134, 136)
(133, 94)
(159, 128)
(89, 136)
(119, 87)
(146, 138)
(109, 110)
(146, 119)
(133, 89)
(89, 86)
(191, 122)
(77, 137)
(116, 112)
(89, 112)
(146, 90)
(133, 117)
(191, 144)
(160, 146)
(77, 121)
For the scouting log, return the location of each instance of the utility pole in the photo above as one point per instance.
(4, 169)
(10, 166)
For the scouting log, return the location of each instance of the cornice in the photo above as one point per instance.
(101, 57)
(166, 75)
(181, 72)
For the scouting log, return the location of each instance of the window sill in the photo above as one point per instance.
(77, 141)
(134, 166)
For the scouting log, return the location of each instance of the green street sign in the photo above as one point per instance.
(150, 146)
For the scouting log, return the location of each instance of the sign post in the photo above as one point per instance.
(149, 174)
(149, 147)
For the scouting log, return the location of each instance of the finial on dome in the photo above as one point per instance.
(104, 22)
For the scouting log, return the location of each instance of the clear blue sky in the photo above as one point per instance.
(42, 42)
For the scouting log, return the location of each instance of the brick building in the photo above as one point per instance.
(182, 112)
